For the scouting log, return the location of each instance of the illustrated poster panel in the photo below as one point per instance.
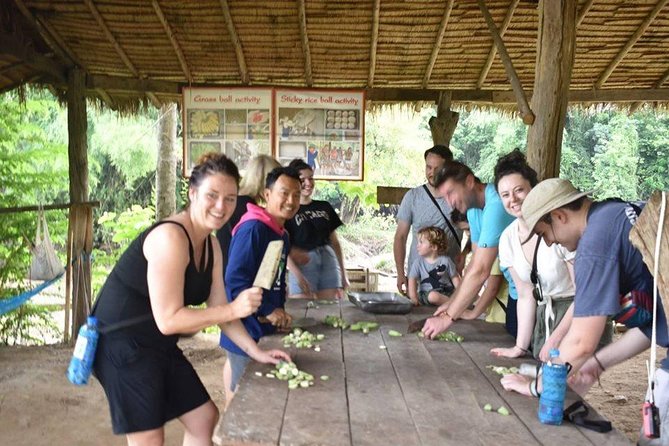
(323, 127)
(234, 121)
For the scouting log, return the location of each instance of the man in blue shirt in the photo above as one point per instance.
(611, 280)
(463, 191)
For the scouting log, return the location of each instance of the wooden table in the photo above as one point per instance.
(411, 392)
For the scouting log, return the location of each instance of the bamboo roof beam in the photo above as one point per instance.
(239, 51)
(154, 99)
(173, 89)
(634, 107)
(173, 40)
(42, 30)
(584, 10)
(521, 98)
(105, 30)
(10, 44)
(10, 67)
(57, 43)
(375, 41)
(493, 49)
(630, 43)
(302, 17)
(437, 43)
(102, 93)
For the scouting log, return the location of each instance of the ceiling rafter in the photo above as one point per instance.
(584, 10)
(302, 17)
(173, 40)
(630, 43)
(375, 40)
(45, 31)
(493, 49)
(437, 42)
(521, 97)
(656, 85)
(10, 67)
(105, 29)
(57, 43)
(173, 89)
(21, 51)
(236, 43)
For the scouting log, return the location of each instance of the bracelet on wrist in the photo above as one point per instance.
(534, 391)
(599, 363)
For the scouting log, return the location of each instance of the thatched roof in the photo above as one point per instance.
(399, 49)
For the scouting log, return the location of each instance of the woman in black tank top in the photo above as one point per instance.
(145, 306)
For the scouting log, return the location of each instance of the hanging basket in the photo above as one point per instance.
(45, 264)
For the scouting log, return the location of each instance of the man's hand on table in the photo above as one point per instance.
(435, 325)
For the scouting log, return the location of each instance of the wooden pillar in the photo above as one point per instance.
(443, 125)
(81, 221)
(166, 177)
(555, 58)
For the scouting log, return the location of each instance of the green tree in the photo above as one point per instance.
(616, 160)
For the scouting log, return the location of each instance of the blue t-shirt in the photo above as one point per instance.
(486, 226)
(608, 266)
(247, 248)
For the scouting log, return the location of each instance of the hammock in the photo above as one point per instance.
(12, 303)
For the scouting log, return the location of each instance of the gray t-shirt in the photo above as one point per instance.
(434, 276)
(419, 211)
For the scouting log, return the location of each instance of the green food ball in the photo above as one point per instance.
(503, 411)
(487, 407)
(394, 333)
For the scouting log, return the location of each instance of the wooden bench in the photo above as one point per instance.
(410, 392)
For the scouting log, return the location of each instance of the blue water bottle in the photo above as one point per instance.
(554, 379)
(81, 364)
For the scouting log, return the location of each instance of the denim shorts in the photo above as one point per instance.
(322, 271)
(238, 364)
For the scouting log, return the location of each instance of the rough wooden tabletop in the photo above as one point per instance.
(385, 390)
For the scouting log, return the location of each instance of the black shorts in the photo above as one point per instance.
(146, 386)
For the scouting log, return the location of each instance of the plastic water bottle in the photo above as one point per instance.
(81, 364)
(554, 379)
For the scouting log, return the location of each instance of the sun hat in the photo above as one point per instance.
(546, 196)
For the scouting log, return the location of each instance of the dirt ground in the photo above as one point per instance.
(38, 406)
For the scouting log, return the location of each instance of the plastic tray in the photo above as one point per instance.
(381, 303)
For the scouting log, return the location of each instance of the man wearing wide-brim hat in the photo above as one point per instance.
(611, 280)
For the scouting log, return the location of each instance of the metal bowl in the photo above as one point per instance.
(381, 303)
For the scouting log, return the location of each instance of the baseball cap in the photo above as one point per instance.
(546, 196)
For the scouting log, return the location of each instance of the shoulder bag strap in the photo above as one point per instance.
(534, 275)
(448, 222)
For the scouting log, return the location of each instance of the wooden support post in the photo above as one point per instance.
(443, 125)
(555, 58)
(166, 170)
(643, 237)
(78, 171)
(523, 106)
(79, 263)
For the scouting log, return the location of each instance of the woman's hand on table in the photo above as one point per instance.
(510, 352)
(270, 356)
(517, 383)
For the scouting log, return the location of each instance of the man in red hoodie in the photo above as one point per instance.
(250, 239)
